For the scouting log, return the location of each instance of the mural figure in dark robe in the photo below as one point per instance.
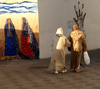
(80, 17)
(28, 41)
(11, 40)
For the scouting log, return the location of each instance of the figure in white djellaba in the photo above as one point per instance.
(60, 42)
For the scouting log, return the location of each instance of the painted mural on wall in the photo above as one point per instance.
(80, 17)
(70, 24)
(22, 7)
(19, 33)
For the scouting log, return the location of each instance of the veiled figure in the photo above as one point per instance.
(9, 38)
(28, 41)
(58, 51)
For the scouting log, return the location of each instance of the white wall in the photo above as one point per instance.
(56, 13)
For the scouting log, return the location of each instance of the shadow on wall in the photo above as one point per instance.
(18, 44)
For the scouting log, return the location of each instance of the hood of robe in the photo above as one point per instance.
(59, 31)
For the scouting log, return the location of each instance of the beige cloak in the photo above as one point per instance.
(78, 44)
(58, 52)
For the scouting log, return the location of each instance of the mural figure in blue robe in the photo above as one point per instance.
(11, 41)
